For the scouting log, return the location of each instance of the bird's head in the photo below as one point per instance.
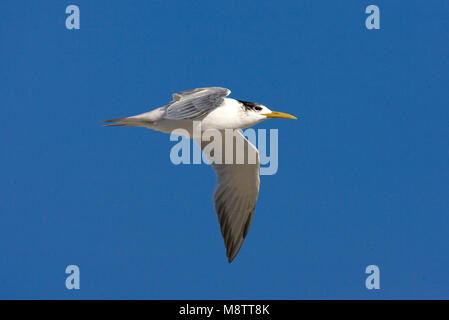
(258, 112)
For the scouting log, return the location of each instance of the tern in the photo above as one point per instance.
(237, 186)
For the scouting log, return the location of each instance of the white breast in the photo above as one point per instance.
(229, 115)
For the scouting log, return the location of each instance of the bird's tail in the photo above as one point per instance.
(130, 121)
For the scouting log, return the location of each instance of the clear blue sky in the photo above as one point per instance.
(363, 174)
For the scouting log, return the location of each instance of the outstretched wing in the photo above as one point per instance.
(236, 193)
(193, 104)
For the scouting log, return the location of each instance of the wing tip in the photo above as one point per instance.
(233, 250)
(232, 257)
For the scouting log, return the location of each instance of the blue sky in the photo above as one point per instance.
(363, 173)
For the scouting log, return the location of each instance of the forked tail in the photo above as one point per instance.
(131, 121)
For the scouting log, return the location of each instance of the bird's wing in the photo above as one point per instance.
(193, 104)
(236, 193)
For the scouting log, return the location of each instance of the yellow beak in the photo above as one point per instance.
(275, 114)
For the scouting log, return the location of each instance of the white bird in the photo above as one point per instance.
(237, 187)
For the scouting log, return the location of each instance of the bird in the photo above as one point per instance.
(237, 187)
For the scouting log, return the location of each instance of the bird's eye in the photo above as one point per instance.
(258, 108)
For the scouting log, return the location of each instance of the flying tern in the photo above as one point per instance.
(237, 187)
